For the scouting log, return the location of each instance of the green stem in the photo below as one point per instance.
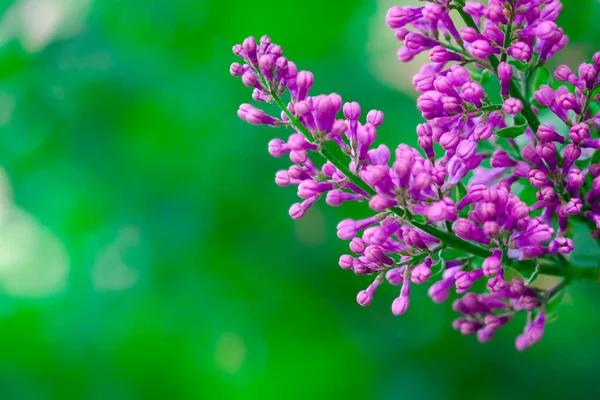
(507, 34)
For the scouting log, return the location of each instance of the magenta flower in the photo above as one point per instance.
(489, 181)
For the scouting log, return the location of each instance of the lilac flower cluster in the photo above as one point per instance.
(523, 29)
(461, 190)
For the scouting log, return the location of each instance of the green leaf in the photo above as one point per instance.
(461, 191)
(596, 157)
(594, 108)
(553, 304)
(480, 76)
(512, 131)
(521, 66)
(520, 120)
(541, 77)
(485, 76)
(534, 274)
(451, 254)
(587, 249)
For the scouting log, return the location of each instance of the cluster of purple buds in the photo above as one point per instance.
(461, 190)
(524, 30)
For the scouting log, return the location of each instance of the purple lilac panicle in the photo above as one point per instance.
(449, 192)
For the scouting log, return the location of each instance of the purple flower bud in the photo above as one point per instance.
(528, 303)
(400, 304)
(395, 276)
(505, 74)
(298, 210)
(433, 12)
(568, 101)
(537, 236)
(304, 80)
(309, 188)
(536, 331)
(484, 335)
(521, 342)
(573, 207)
(469, 35)
(439, 54)
(398, 17)
(596, 59)
(575, 178)
(497, 284)
(413, 239)
(451, 105)
(249, 46)
(375, 117)
(365, 297)
(579, 132)
(443, 85)
(589, 74)
(426, 143)
(449, 140)
(547, 30)
(373, 174)
(352, 111)
(430, 105)
(545, 95)
(416, 41)
(482, 48)
(366, 135)
(421, 272)
(380, 202)
(278, 148)
(375, 254)
(521, 51)
(483, 132)
(475, 194)
(236, 69)
(492, 33)
(459, 75)
(249, 79)
(561, 245)
(501, 159)
(346, 229)
(298, 142)
(547, 133)
(562, 73)
(591, 143)
(466, 149)
(346, 261)
(464, 280)
(440, 290)
(547, 150)
(512, 106)
(423, 82)
(495, 13)
(379, 156)
(357, 246)
(572, 153)
(466, 327)
(546, 194)
(473, 93)
(337, 197)
(492, 264)
(537, 178)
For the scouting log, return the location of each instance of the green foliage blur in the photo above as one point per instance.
(145, 251)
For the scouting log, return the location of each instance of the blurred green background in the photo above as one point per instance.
(145, 251)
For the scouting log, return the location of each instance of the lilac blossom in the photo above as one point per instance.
(450, 192)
